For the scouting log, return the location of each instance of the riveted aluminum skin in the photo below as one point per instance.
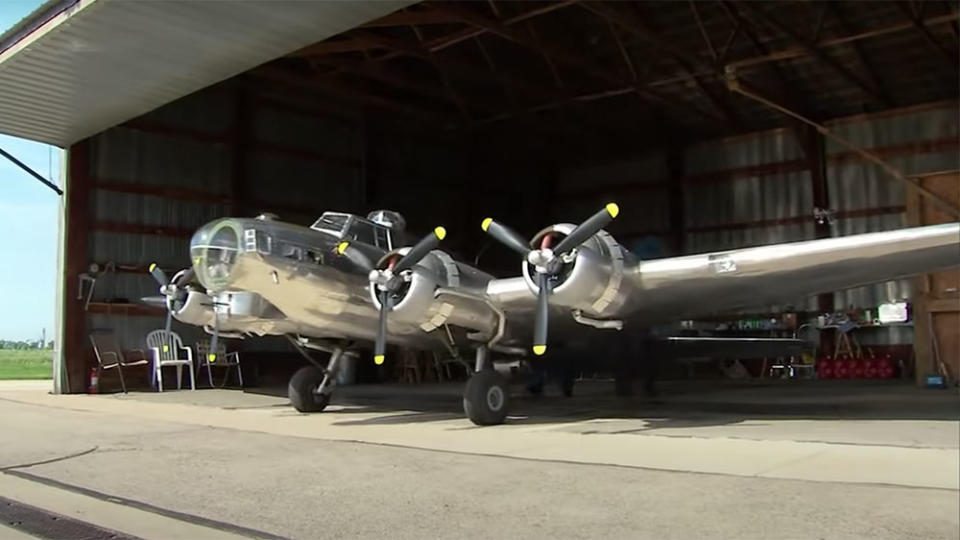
(283, 278)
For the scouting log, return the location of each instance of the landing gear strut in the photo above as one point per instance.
(311, 386)
(486, 399)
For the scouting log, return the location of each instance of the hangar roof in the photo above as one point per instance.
(572, 72)
(640, 71)
(76, 67)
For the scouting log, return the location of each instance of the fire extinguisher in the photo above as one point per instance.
(94, 381)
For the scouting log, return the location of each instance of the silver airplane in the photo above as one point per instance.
(347, 281)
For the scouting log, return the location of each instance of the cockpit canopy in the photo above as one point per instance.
(351, 227)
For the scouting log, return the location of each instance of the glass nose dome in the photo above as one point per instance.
(214, 249)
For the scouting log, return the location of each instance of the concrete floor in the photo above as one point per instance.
(807, 461)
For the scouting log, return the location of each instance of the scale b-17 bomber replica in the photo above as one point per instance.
(348, 282)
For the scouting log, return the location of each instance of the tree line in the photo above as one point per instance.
(20, 345)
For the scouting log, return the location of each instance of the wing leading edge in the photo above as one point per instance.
(683, 287)
(686, 287)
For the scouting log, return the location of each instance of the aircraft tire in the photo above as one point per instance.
(486, 399)
(301, 387)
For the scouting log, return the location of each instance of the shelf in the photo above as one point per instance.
(138, 310)
(868, 326)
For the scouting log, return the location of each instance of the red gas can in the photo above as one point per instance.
(825, 369)
(870, 368)
(855, 367)
(886, 369)
(840, 369)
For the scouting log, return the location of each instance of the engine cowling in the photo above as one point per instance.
(417, 303)
(591, 277)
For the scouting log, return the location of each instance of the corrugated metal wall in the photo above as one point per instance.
(756, 189)
(743, 192)
(742, 209)
(640, 186)
(725, 210)
(293, 164)
(326, 175)
(123, 155)
(917, 142)
(738, 192)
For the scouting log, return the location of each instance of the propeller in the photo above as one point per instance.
(168, 289)
(386, 277)
(154, 301)
(212, 354)
(176, 290)
(355, 256)
(159, 275)
(548, 261)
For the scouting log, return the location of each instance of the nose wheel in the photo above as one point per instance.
(302, 390)
(486, 399)
(310, 387)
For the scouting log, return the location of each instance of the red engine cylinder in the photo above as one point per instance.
(870, 369)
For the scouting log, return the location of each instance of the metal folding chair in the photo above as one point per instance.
(110, 356)
(222, 358)
(166, 347)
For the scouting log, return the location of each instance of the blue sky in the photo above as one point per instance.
(28, 224)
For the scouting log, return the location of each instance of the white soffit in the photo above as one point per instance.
(101, 62)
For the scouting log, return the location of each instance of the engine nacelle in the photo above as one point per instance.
(417, 304)
(243, 310)
(590, 280)
(193, 309)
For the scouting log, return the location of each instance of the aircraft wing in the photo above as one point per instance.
(686, 287)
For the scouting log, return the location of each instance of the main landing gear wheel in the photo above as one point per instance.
(301, 390)
(486, 399)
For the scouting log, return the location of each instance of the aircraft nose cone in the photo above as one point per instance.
(213, 250)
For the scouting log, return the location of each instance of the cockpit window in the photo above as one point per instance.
(331, 223)
(382, 237)
(362, 231)
(351, 227)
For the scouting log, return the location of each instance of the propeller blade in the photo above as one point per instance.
(354, 255)
(166, 326)
(420, 250)
(380, 346)
(154, 301)
(542, 315)
(158, 274)
(186, 276)
(212, 355)
(588, 228)
(505, 236)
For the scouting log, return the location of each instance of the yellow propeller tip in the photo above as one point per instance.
(153, 266)
(485, 224)
(378, 359)
(539, 350)
(440, 232)
(341, 247)
(613, 209)
(211, 357)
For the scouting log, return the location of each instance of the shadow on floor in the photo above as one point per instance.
(678, 403)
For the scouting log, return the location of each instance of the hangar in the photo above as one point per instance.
(176, 113)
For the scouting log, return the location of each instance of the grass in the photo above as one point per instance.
(26, 364)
